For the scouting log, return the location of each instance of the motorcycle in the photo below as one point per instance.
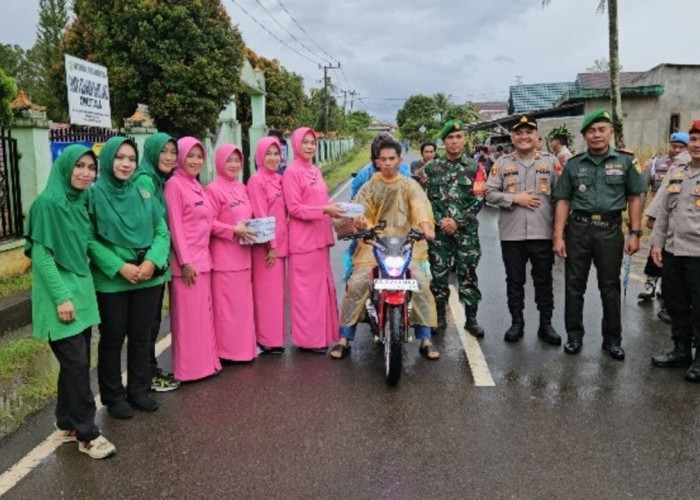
(388, 307)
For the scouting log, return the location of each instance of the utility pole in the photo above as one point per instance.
(326, 96)
(345, 99)
(352, 93)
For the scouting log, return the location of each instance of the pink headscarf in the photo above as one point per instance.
(221, 156)
(297, 137)
(263, 145)
(184, 146)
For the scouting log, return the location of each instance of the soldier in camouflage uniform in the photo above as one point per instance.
(450, 188)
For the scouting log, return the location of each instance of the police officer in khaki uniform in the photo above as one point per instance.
(675, 247)
(591, 193)
(653, 175)
(521, 184)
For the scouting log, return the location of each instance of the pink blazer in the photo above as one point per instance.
(230, 205)
(267, 200)
(190, 220)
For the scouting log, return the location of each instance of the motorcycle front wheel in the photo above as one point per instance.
(393, 343)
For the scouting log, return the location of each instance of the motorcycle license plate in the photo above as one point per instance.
(386, 284)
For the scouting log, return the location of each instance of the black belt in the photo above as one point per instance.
(609, 219)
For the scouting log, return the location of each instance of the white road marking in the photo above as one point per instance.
(342, 189)
(477, 362)
(18, 471)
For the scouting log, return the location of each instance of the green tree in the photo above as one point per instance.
(285, 99)
(443, 103)
(46, 54)
(316, 110)
(357, 122)
(466, 112)
(418, 110)
(182, 60)
(8, 91)
(18, 63)
(613, 43)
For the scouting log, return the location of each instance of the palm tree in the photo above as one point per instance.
(442, 105)
(615, 95)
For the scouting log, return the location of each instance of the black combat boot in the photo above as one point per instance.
(517, 327)
(546, 331)
(649, 290)
(680, 356)
(441, 318)
(471, 325)
(693, 373)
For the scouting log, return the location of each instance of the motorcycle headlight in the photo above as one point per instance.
(394, 266)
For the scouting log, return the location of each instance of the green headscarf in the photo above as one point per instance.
(152, 148)
(58, 218)
(123, 215)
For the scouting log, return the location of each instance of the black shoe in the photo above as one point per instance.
(547, 333)
(515, 332)
(472, 325)
(664, 316)
(143, 403)
(693, 373)
(680, 357)
(120, 410)
(441, 310)
(614, 351)
(649, 290)
(573, 347)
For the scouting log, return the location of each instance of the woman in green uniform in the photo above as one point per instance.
(128, 249)
(64, 307)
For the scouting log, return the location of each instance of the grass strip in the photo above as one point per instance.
(12, 284)
(28, 375)
(339, 170)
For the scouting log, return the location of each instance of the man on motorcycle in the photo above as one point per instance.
(401, 202)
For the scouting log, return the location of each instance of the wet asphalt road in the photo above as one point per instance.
(303, 426)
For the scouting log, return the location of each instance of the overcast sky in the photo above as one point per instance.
(469, 49)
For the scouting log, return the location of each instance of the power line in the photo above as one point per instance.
(288, 32)
(305, 32)
(275, 36)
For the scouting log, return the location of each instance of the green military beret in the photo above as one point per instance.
(451, 126)
(599, 115)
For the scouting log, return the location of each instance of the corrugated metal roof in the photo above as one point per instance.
(536, 96)
(602, 80)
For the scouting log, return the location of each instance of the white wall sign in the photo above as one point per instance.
(88, 93)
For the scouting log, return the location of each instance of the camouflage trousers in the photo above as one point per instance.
(460, 252)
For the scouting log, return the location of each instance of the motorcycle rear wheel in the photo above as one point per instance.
(393, 343)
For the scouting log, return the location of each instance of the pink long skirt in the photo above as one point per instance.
(268, 295)
(192, 322)
(313, 301)
(234, 324)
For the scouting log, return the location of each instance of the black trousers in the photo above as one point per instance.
(75, 405)
(586, 243)
(129, 313)
(681, 277)
(541, 257)
(155, 329)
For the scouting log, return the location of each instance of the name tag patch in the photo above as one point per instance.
(614, 171)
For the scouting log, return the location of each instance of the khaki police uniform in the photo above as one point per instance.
(597, 188)
(677, 232)
(525, 234)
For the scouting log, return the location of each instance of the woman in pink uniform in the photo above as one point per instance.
(190, 218)
(265, 193)
(311, 285)
(231, 281)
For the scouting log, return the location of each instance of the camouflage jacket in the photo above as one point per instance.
(449, 189)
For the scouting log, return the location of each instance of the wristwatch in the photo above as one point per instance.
(636, 232)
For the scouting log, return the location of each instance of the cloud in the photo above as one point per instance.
(471, 50)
